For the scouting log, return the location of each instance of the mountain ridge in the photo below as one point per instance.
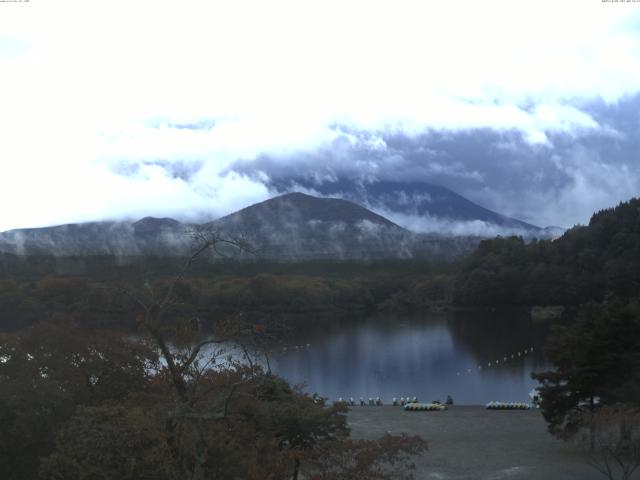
(293, 226)
(416, 199)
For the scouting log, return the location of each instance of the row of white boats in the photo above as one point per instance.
(412, 404)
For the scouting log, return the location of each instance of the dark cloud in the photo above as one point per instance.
(560, 181)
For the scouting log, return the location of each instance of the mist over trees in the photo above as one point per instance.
(583, 265)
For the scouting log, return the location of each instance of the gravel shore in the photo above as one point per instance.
(468, 442)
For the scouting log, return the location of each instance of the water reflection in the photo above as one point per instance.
(430, 357)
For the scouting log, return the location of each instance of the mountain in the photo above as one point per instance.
(289, 227)
(437, 206)
(149, 236)
(298, 226)
(295, 208)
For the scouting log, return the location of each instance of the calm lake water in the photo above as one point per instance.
(429, 356)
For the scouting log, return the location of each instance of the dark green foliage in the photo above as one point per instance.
(597, 362)
(422, 293)
(583, 265)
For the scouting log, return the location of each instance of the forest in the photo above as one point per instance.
(585, 264)
(97, 355)
(286, 294)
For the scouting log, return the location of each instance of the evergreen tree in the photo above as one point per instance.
(597, 362)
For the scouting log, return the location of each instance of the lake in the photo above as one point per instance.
(474, 356)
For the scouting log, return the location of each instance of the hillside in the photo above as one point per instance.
(584, 264)
(432, 203)
(148, 236)
(291, 227)
(298, 226)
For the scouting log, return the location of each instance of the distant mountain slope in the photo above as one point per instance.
(148, 236)
(408, 199)
(281, 211)
(300, 226)
(290, 227)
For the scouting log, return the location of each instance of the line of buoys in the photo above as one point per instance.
(497, 362)
(430, 407)
(508, 406)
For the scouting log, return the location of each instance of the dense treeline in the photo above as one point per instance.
(285, 298)
(583, 265)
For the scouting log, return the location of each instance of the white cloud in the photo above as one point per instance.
(89, 85)
(445, 226)
(594, 184)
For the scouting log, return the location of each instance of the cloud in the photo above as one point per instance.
(161, 108)
(428, 224)
(561, 182)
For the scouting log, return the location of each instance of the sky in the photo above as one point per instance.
(115, 109)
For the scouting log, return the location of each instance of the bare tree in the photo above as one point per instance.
(183, 363)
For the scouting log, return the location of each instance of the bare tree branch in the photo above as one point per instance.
(196, 350)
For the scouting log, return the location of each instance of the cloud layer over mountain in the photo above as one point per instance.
(126, 110)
